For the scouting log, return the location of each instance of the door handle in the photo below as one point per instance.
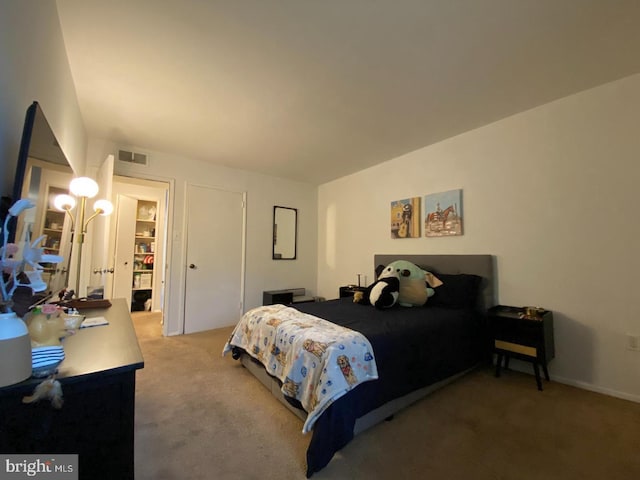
(192, 266)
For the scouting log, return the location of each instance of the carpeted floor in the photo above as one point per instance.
(202, 416)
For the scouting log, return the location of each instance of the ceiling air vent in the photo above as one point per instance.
(132, 157)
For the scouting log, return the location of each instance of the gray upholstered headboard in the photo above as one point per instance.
(481, 265)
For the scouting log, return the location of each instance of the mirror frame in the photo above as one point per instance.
(45, 139)
(39, 143)
(278, 255)
(23, 155)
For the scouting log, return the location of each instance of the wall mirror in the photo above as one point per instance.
(43, 172)
(285, 233)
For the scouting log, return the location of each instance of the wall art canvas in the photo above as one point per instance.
(443, 214)
(405, 218)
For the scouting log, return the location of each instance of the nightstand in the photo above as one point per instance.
(349, 290)
(525, 337)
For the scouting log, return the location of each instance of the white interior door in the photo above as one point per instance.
(215, 258)
(101, 225)
(126, 208)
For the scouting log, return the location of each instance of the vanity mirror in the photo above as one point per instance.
(42, 173)
(285, 233)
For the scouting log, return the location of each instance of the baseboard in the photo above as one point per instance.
(525, 367)
(597, 389)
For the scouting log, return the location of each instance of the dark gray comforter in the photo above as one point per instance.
(414, 347)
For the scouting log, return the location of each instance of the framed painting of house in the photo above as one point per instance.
(405, 218)
(443, 214)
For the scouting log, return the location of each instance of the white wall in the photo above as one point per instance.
(263, 192)
(34, 67)
(552, 193)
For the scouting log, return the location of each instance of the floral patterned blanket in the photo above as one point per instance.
(317, 361)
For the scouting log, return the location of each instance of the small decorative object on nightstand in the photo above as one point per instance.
(525, 333)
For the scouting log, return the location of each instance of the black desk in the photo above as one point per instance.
(271, 297)
(288, 296)
(98, 378)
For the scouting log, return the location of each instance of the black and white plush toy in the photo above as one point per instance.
(383, 293)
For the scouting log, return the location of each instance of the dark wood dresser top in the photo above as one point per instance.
(101, 350)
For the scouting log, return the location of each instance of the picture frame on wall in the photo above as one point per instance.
(405, 218)
(443, 214)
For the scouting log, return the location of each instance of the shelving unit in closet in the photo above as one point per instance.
(144, 255)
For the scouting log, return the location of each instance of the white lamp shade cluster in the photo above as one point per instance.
(83, 187)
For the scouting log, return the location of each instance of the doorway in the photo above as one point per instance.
(138, 243)
(214, 284)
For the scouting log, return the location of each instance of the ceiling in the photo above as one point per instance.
(315, 90)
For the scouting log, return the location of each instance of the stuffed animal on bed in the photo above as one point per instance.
(416, 284)
(383, 293)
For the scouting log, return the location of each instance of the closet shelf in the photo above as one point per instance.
(143, 281)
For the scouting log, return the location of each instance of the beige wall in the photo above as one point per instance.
(34, 67)
(552, 193)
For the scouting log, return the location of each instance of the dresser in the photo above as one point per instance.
(98, 378)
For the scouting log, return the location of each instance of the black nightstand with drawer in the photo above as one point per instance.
(525, 337)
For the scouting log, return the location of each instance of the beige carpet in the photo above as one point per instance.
(202, 416)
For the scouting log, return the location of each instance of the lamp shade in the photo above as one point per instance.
(84, 187)
(105, 207)
(64, 202)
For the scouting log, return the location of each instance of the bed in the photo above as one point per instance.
(417, 350)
